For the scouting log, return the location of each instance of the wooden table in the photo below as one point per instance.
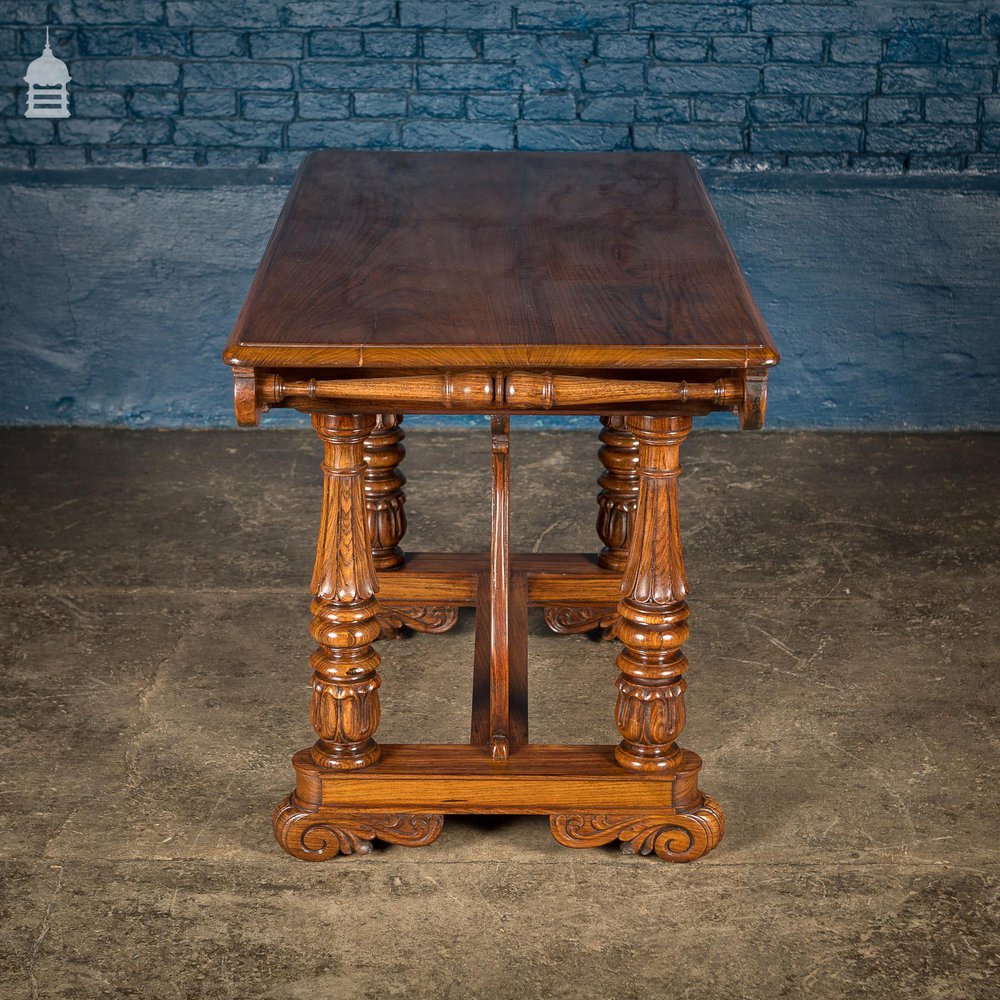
(494, 283)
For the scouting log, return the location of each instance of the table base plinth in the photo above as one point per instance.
(589, 799)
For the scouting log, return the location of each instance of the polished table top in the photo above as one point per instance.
(409, 260)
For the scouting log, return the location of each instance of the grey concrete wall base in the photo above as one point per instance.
(119, 288)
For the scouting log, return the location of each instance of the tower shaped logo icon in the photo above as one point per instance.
(47, 77)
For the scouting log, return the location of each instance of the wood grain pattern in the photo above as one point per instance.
(302, 357)
(497, 390)
(753, 405)
(517, 663)
(451, 579)
(500, 587)
(475, 392)
(434, 579)
(562, 578)
(515, 259)
(537, 779)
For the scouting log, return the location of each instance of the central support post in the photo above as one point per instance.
(500, 588)
(500, 666)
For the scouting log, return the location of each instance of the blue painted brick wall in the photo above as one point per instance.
(838, 85)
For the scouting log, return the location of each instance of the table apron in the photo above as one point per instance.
(483, 392)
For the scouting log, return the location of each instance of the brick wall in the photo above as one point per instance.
(852, 85)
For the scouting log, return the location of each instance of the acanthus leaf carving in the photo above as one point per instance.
(649, 715)
(656, 576)
(433, 619)
(344, 570)
(346, 712)
(572, 620)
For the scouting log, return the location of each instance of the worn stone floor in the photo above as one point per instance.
(844, 688)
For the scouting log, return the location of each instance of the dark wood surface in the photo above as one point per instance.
(577, 260)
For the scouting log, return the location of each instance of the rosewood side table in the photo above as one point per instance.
(499, 283)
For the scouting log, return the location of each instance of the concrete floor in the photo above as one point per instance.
(844, 688)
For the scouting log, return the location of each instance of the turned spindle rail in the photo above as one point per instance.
(496, 284)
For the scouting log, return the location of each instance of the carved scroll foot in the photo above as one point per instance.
(321, 834)
(394, 619)
(568, 620)
(682, 836)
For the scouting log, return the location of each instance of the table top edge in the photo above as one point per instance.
(564, 356)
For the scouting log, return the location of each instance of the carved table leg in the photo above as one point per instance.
(385, 505)
(619, 454)
(384, 497)
(345, 703)
(653, 627)
(616, 503)
(650, 711)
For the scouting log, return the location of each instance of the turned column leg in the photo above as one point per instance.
(384, 497)
(650, 710)
(619, 454)
(345, 703)
(653, 613)
(386, 512)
